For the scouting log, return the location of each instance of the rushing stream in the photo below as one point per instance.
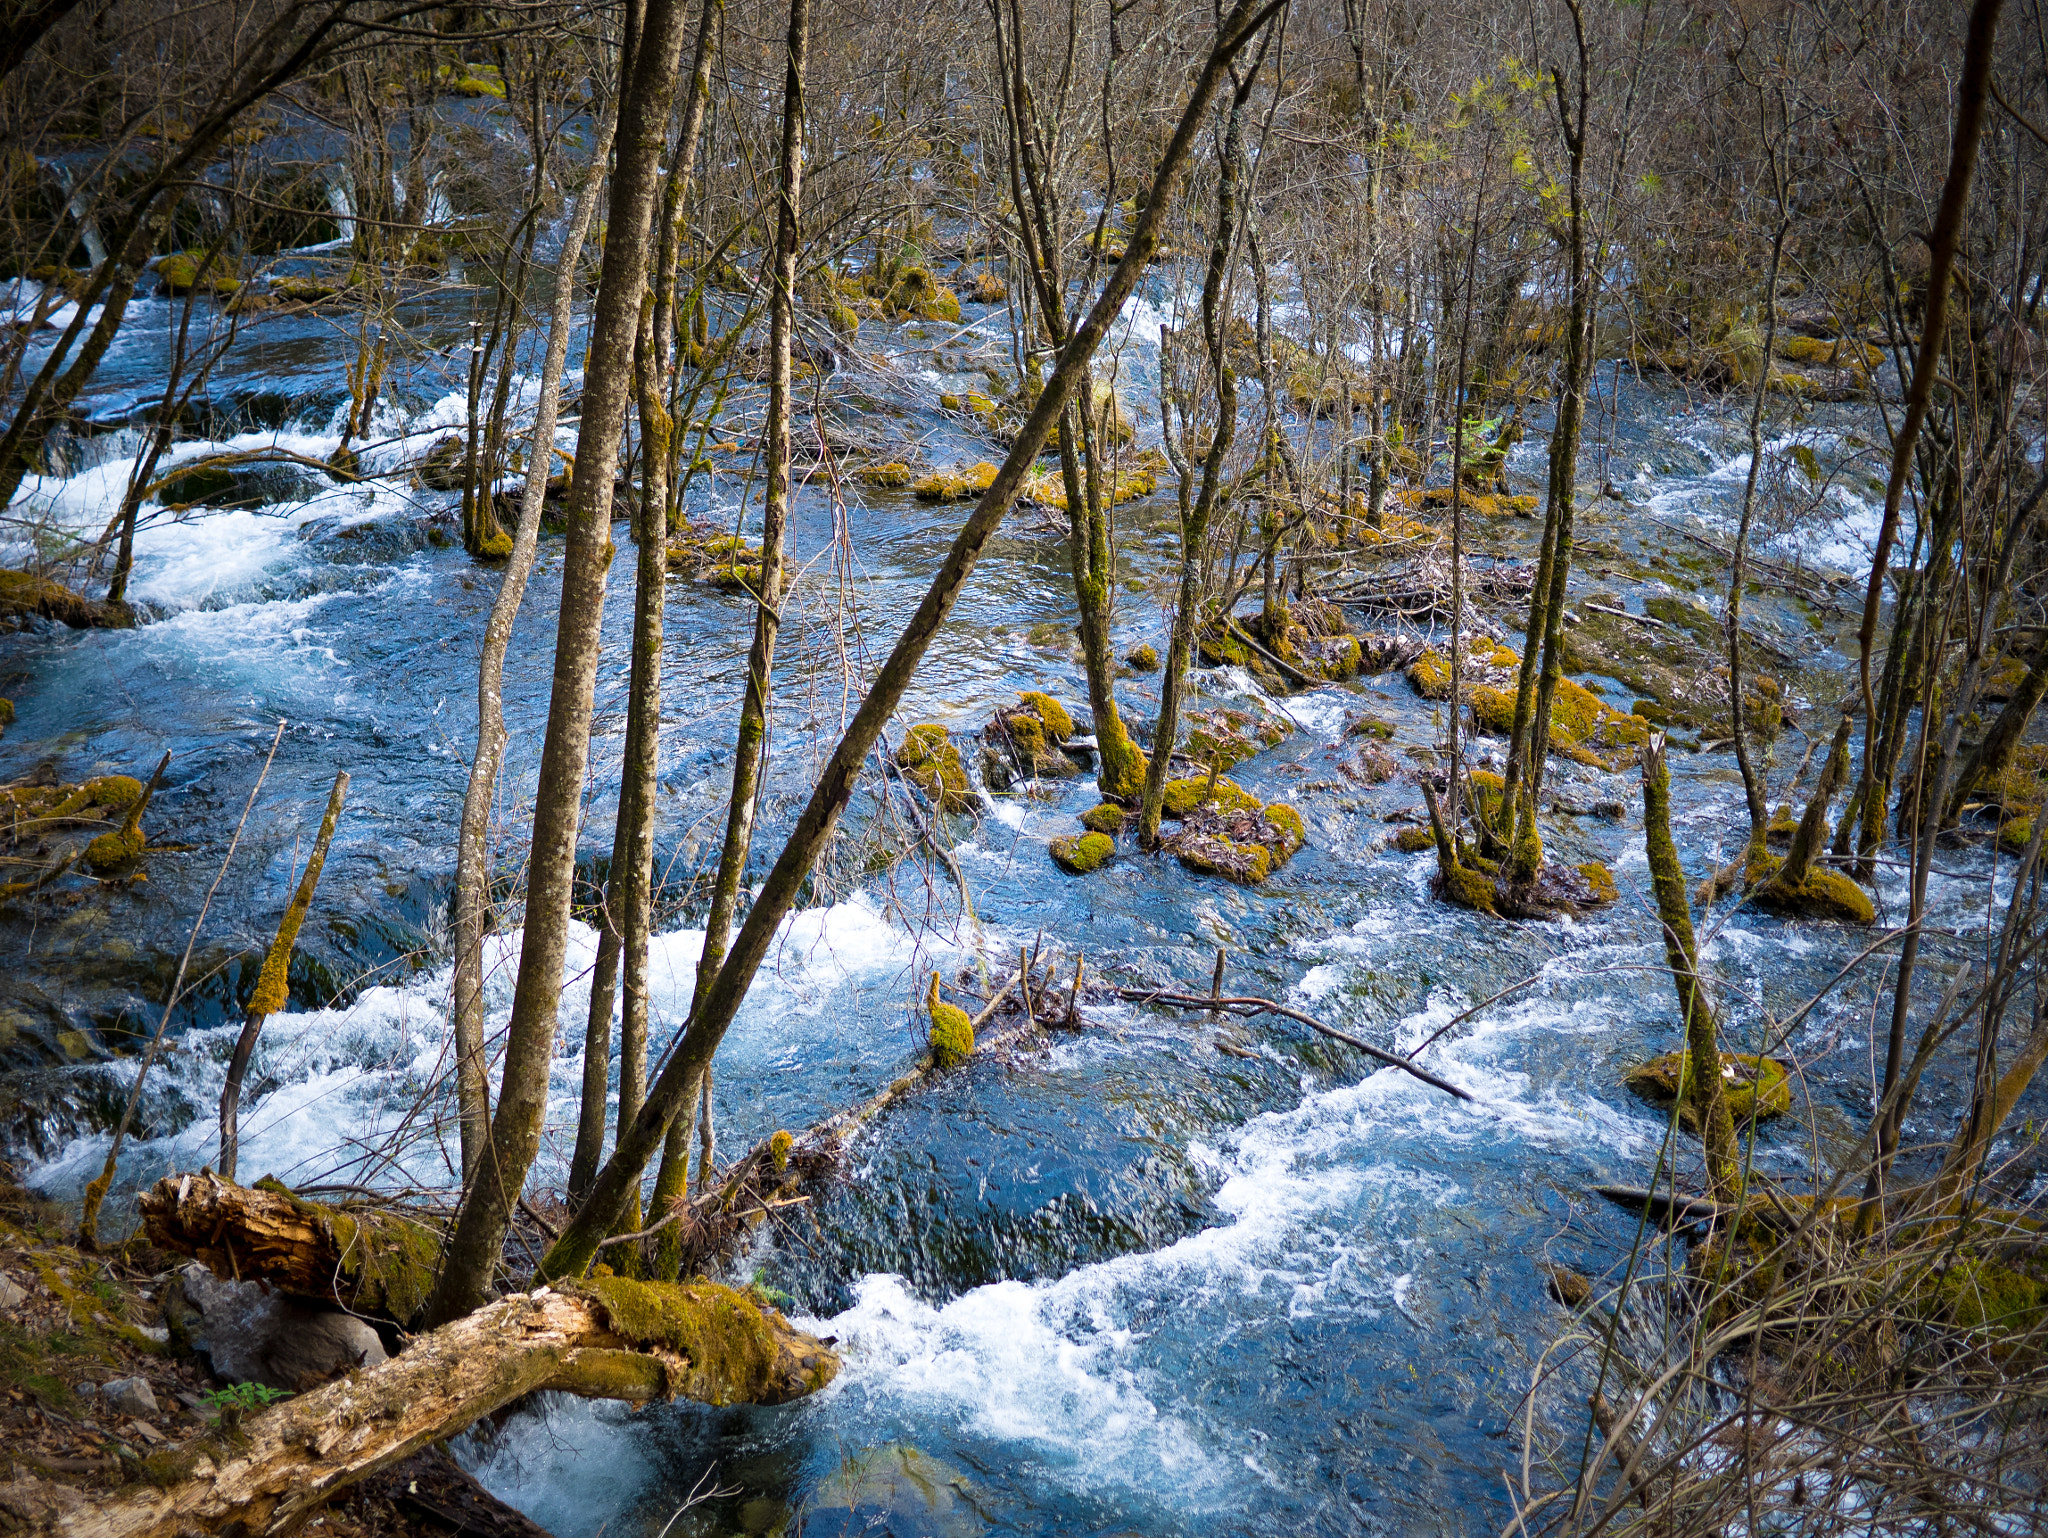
(1123, 1281)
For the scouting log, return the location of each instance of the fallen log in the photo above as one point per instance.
(369, 1260)
(616, 1339)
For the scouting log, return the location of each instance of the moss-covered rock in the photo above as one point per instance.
(1078, 854)
(24, 595)
(1059, 725)
(984, 287)
(1582, 726)
(955, 485)
(1184, 796)
(1601, 880)
(1143, 658)
(932, 763)
(1414, 840)
(916, 293)
(1751, 1084)
(889, 473)
(1825, 894)
(185, 272)
(1107, 817)
(779, 1147)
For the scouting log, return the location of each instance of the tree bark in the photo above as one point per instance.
(488, 1198)
(836, 781)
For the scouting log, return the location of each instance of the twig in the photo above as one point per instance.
(1267, 1006)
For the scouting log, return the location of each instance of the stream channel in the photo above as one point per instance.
(1120, 1281)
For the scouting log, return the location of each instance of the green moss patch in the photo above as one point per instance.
(933, 765)
(1079, 854)
(1107, 818)
(1751, 1084)
(1143, 659)
(722, 1333)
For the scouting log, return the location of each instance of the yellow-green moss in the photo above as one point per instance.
(2016, 834)
(180, 273)
(1288, 821)
(986, 288)
(1246, 864)
(1982, 1296)
(1601, 880)
(1414, 840)
(892, 473)
(1183, 796)
(1143, 658)
(1830, 352)
(1082, 853)
(721, 1332)
(1469, 888)
(933, 764)
(1430, 673)
(1825, 894)
(113, 850)
(951, 1035)
(779, 1147)
(1059, 725)
(1106, 818)
(1488, 789)
(1582, 726)
(1525, 849)
(1750, 1084)
(955, 485)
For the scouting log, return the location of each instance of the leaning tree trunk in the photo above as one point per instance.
(495, 1184)
(472, 852)
(573, 1252)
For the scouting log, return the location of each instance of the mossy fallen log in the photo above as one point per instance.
(616, 1340)
(369, 1260)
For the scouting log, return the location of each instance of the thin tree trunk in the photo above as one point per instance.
(473, 1250)
(1194, 534)
(1681, 954)
(572, 1254)
(1971, 94)
(472, 874)
(271, 994)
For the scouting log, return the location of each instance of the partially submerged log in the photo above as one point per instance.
(616, 1340)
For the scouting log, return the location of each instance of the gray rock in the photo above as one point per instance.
(1613, 811)
(12, 1293)
(130, 1396)
(254, 1335)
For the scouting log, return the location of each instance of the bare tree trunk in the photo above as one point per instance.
(494, 1186)
(1971, 95)
(572, 1254)
(472, 860)
(1194, 533)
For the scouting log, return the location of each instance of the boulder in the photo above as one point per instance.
(252, 1334)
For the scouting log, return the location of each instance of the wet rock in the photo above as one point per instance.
(130, 1396)
(1078, 855)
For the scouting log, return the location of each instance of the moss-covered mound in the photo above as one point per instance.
(1582, 726)
(956, 485)
(1078, 854)
(1309, 640)
(933, 765)
(1227, 738)
(1601, 880)
(724, 560)
(1143, 658)
(186, 272)
(1825, 893)
(1486, 662)
(1677, 668)
(1023, 742)
(1242, 843)
(1184, 796)
(893, 472)
(1414, 840)
(984, 287)
(1751, 1084)
(1130, 479)
(1107, 818)
(25, 596)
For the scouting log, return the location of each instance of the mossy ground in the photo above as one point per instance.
(1244, 842)
(1486, 661)
(1582, 726)
(1226, 738)
(891, 472)
(1414, 840)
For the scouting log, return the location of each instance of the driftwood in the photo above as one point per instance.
(619, 1340)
